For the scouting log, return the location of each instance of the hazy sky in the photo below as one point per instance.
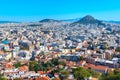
(35, 10)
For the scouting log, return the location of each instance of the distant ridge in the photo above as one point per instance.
(3, 22)
(117, 22)
(71, 20)
(50, 20)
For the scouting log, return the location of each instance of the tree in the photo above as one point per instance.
(31, 65)
(55, 61)
(17, 65)
(2, 77)
(61, 63)
(94, 73)
(37, 67)
(54, 79)
(64, 74)
(48, 65)
(118, 49)
(112, 76)
(80, 73)
(116, 71)
(42, 53)
(18, 79)
(81, 58)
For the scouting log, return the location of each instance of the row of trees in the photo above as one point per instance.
(41, 66)
(111, 76)
(81, 73)
(35, 66)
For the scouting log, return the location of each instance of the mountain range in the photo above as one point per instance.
(71, 20)
(117, 22)
(2, 22)
(88, 19)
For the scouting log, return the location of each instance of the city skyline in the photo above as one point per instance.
(36, 10)
(59, 40)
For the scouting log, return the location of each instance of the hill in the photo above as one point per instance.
(50, 20)
(89, 20)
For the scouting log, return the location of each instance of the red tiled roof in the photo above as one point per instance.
(8, 65)
(24, 68)
(98, 67)
(40, 72)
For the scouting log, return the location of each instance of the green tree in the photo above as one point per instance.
(80, 73)
(18, 79)
(111, 77)
(81, 58)
(37, 67)
(94, 73)
(118, 49)
(2, 77)
(55, 61)
(61, 63)
(116, 71)
(42, 53)
(32, 64)
(115, 75)
(64, 74)
(54, 79)
(48, 65)
(17, 65)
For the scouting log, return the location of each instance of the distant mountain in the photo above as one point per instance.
(116, 22)
(50, 20)
(89, 20)
(3, 22)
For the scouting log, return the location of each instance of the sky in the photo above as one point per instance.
(35, 10)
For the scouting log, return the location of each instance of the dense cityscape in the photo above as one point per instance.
(86, 49)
